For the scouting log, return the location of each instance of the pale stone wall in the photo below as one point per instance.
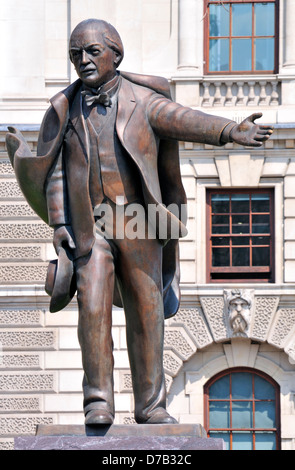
(41, 371)
(40, 361)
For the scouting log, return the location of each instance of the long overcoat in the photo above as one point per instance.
(149, 125)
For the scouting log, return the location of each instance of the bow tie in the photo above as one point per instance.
(102, 98)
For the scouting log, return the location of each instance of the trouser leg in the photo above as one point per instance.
(141, 289)
(95, 284)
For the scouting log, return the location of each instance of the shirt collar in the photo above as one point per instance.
(110, 87)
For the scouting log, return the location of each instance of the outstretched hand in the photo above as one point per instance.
(250, 134)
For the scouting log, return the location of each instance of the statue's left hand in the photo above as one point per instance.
(63, 238)
(250, 134)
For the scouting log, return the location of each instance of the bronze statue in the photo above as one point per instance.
(112, 138)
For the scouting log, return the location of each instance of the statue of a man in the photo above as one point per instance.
(111, 138)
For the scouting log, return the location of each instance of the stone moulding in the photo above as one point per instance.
(236, 315)
(266, 316)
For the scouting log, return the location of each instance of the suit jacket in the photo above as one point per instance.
(148, 125)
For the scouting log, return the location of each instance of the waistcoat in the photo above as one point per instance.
(112, 174)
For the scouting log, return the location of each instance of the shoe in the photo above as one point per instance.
(96, 417)
(160, 416)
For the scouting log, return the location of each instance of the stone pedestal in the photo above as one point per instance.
(179, 437)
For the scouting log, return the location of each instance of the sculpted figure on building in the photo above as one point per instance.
(239, 304)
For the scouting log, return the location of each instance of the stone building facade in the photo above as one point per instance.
(40, 363)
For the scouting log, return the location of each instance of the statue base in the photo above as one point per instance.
(137, 437)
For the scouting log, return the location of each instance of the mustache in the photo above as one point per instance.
(85, 68)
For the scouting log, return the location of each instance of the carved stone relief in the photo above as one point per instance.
(239, 306)
(213, 308)
(238, 313)
(265, 309)
(15, 425)
(195, 324)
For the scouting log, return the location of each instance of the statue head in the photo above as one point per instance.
(96, 50)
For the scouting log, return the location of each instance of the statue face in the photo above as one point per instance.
(238, 305)
(239, 315)
(94, 61)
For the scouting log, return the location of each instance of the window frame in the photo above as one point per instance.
(254, 372)
(233, 274)
(207, 40)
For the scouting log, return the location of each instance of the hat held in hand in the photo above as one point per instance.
(60, 281)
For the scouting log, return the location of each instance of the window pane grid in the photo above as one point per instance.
(239, 38)
(246, 416)
(240, 230)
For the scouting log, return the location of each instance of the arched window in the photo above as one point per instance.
(242, 407)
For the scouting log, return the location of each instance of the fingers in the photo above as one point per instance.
(61, 236)
(265, 129)
(263, 133)
(254, 116)
(71, 243)
(261, 138)
(68, 239)
(255, 143)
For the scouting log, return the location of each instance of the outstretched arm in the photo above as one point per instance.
(250, 134)
(173, 121)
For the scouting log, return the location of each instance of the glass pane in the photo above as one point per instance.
(265, 414)
(240, 241)
(218, 55)
(241, 54)
(219, 20)
(220, 241)
(260, 203)
(221, 435)
(220, 388)
(242, 20)
(260, 224)
(220, 219)
(220, 257)
(240, 256)
(220, 224)
(240, 224)
(242, 441)
(263, 389)
(219, 414)
(265, 441)
(220, 229)
(264, 54)
(242, 414)
(260, 240)
(264, 19)
(241, 385)
(240, 203)
(260, 256)
(220, 203)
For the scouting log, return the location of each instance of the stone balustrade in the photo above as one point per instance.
(240, 91)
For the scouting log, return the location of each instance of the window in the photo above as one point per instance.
(241, 36)
(242, 407)
(240, 235)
